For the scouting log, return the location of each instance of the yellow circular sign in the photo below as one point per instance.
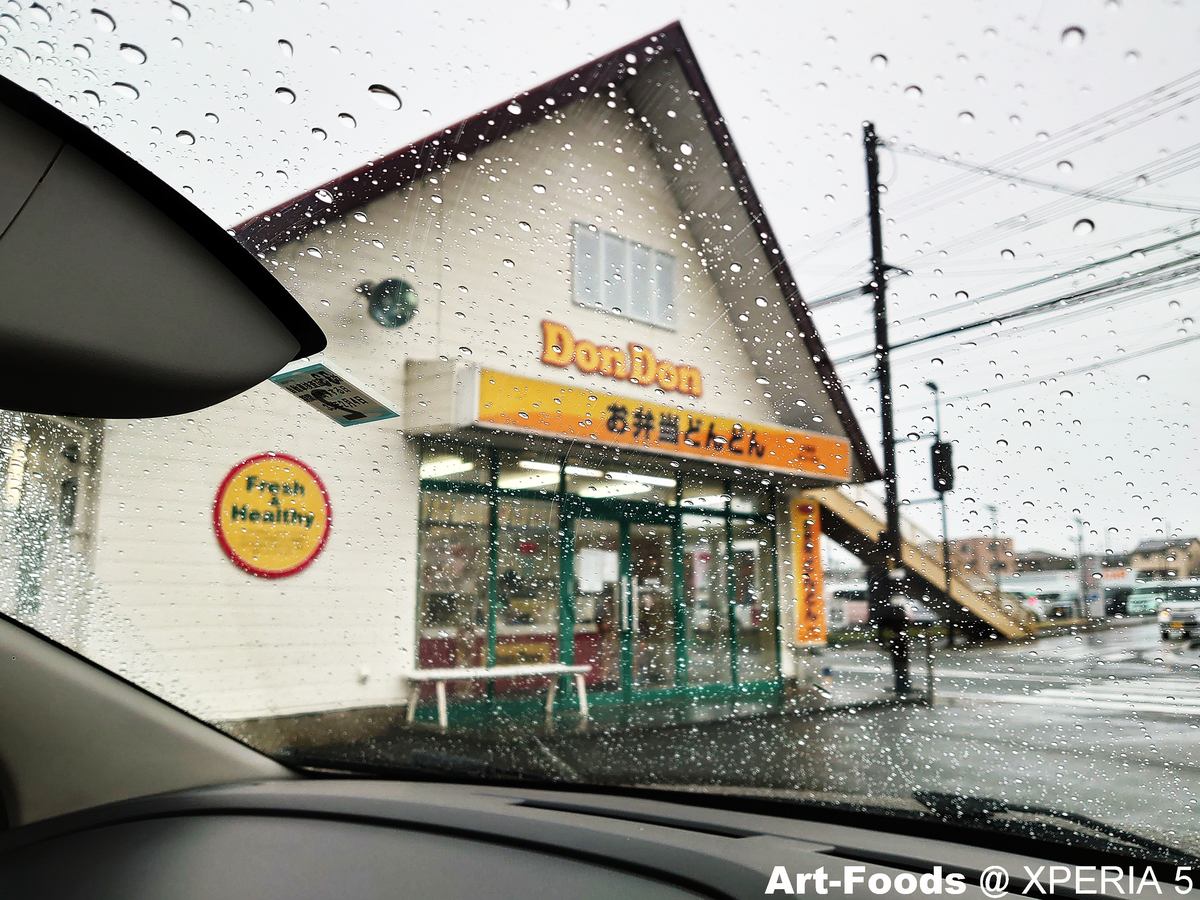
(272, 515)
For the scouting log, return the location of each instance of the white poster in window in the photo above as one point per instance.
(595, 569)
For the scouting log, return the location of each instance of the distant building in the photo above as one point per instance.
(1175, 558)
(1041, 561)
(1112, 560)
(985, 557)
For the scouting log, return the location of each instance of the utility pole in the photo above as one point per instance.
(879, 587)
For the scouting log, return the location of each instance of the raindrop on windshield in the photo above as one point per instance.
(1007, 254)
(1065, 394)
(509, 263)
(685, 148)
(245, 6)
(132, 53)
(283, 95)
(128, 91)
(39, 14)
(539, 189)
(912, 92)
(966, 116)
(179, 12)
(879, 61)
(347, 120)
(760, 301)
(514, 108)
(313, 252)
(385, 96)
(1084, 226)
(1064, 165)
(960, 295)
(324, 196)
(360, 217)
(285, 48)
(82, 52)
(560, 5)
(9, 23)
(735, 267)
(524, 226)
(1132, 56)
(213, 118)
(319, 134)
(1141, 181)
(92, 97)
(1073, 36)
(1143, 378)
(104, 21)
(185, 137)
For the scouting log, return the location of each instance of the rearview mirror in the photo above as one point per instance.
(118, 297)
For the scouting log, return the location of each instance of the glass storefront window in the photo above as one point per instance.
(452, 585)
(706, 600)
(527, 557)
(623, 617)
(704, 493)
(754, 608)
(450, 462)
(529, 472)
(748, 503)
(620, 483)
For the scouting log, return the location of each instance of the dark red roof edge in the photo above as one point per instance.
(296, 217)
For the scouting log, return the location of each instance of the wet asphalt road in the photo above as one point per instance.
(1106, 724)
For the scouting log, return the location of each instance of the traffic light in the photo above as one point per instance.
(943, 468)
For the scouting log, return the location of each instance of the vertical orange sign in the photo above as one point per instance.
(810, 579)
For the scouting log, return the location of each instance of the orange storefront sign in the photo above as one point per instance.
(639, 365)
(811, 625)
(514, 403)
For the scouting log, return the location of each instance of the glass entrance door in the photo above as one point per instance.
(599, 602)
(652, 606)
(625, 617)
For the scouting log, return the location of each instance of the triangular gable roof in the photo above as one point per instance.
(657, 72)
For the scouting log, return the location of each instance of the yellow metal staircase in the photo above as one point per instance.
(855, 519)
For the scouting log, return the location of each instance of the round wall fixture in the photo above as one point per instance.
(392, 302)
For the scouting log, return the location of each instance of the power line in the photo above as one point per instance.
(1067, 373)
(1137, 106)
(1180, 161)
(1142, 279)
(954, 307)
(913, 150)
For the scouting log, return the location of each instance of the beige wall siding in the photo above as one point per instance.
(237, 645)
(486, 283)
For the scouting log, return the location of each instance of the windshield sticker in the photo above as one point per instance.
(335, 394)
(272, 515)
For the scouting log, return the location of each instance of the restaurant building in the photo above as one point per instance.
(590, 400)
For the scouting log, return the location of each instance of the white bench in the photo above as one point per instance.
(439, 677)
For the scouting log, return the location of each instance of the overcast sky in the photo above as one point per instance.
(1113, 439)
